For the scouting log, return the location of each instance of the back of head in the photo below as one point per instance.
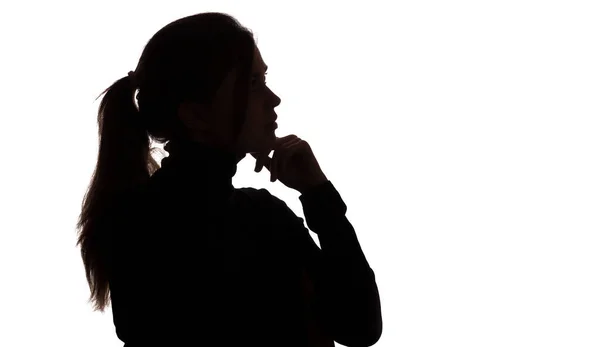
(184, 61)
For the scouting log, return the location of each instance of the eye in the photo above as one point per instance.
(254, 81)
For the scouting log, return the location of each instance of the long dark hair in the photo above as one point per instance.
(184, 61)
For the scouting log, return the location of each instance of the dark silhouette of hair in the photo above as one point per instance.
(184, 61)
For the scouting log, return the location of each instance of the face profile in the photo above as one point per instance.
(214, 124)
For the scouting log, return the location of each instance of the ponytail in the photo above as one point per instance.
(124, 164)
(184, 61)
(124, 157)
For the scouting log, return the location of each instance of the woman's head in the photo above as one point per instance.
(200, 78)
(215, 123)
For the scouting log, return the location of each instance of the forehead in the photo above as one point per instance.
(258, 61)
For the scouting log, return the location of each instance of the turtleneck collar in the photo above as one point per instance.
(199, 164)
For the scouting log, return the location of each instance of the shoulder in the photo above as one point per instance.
(256, 194)
(262, 198)
(271, 208)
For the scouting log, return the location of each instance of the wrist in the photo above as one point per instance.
(313, 185)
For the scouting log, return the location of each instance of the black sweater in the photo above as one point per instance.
(197, 262)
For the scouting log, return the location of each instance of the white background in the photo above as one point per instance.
(463, 136)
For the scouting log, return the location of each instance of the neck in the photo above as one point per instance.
(201, 160)
(175, 144)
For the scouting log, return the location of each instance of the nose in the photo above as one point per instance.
(276, 100)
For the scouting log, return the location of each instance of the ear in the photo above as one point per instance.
(195, 116)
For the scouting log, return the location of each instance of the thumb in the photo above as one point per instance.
(261, 160)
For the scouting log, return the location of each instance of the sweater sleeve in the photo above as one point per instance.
(346, 292)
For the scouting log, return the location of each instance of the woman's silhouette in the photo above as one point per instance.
(183, 256)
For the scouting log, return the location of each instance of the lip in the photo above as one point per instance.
(273, 125)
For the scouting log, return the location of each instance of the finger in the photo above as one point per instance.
(266, 162)
(285, 139)
(276, 154)
(262, 160)
(291, 143)
(255, 154)
(259, 165)
(287, 151)
(281, 152)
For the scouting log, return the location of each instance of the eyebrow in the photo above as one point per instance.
(257, 74)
